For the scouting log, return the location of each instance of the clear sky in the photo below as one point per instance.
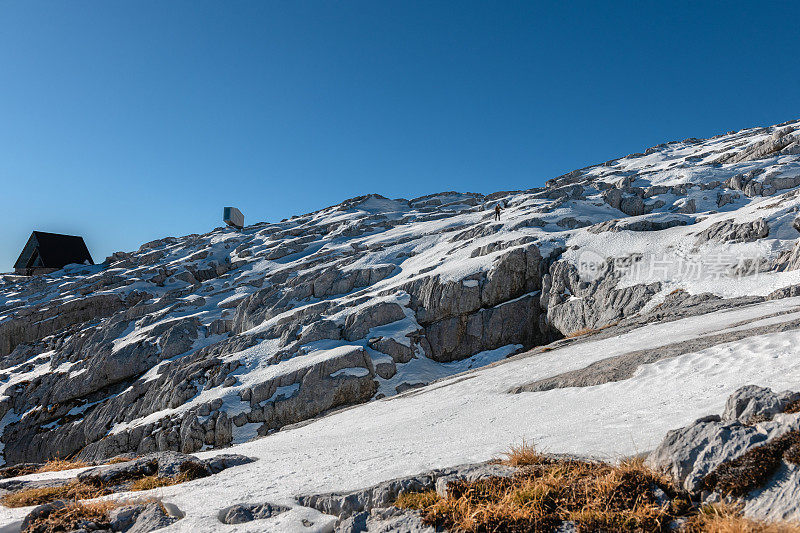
(126, 121)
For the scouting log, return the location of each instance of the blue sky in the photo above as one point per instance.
(130, 121)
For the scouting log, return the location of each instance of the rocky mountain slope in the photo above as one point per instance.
(209, 340)
(313, 477)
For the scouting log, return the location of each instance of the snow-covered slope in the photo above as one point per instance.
(473, 417)
(209, 340)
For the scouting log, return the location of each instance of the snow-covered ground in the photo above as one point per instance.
(471, 417)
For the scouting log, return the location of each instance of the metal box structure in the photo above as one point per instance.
(233, 217)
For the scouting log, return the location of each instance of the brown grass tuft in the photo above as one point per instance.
(752, 469)
(119, 459)
(417, 500)
(720, 518)
(793, 407)
(17, 470)
(524, 455)
(581, 332)
(189, 472)
(152, 482)
(71, 517)
(75, 515)
(57, 465)
(545, 492)
(74, 490)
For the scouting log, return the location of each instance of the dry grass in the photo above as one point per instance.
(75, 515)
(153, 482)
(595, 496)
(189, 472)
(417, 500)
(524, 455)
(580, 332)
(545, 492)
(68, 518)
(57, 465)
(720, 518)
(77, 490)
(17, 470)
(116, 460)
(74, 490)
(753, 468)
(793, 407)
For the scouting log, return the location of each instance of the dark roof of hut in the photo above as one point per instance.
(53, 250)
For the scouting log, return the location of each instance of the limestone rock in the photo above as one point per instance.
(242, 513)
(751, 404)
(690, 453)
(384, 520)
(358, 324)
(730, 231)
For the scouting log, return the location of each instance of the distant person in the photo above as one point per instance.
(497, 212)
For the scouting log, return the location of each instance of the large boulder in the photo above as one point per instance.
(517, 322)
(750, 452)
(573, 303)
(751, 404)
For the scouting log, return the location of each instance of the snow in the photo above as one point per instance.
(424, 370)
(471, 417)
(283, 392)
(356, 372)
(246, 432)
(256, 370)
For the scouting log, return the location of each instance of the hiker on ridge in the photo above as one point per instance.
(497, 212)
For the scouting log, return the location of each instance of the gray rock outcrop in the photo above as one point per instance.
(730, 231)
(752, 439)
(243, 513)
(371, 509)
(135, 517)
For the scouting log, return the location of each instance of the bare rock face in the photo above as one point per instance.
(751, 404)
(574, 304)
(780, 142)
(730, 231)
(517, 322)
(383, 495)
(641, 224)
(132, 518)
(138, 516)
(372, 509)
(343, 378)
(753, 417)
(243, 513)
(38, 322)
(384, 520)
(487, 311)
(162, 464)
(400, 353)
(359, 323)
